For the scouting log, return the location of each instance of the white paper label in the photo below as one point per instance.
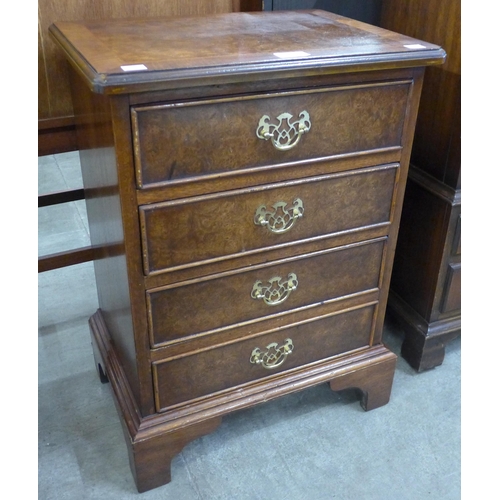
(291, 55)
(134, 67)
(415, 46)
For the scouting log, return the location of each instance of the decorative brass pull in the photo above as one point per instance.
(276, 291)
(285, 135)
(273, 356)
(281, 219)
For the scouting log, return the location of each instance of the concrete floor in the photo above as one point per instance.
(315, 445)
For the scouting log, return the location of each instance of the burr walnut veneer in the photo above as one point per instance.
(244, 176)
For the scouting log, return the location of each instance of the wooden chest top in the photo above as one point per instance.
(121, 56)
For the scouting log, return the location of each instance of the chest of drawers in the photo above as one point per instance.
(243, 176)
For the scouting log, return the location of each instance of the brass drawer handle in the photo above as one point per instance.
(273, 356)
(276, 291)
(281, 219)
(285, 135)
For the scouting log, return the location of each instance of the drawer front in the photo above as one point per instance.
(260, 293)
(182, 141)
(456, 246)
(213, 370)
(202, 229)
(452, 293)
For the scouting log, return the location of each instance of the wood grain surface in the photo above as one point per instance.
(53, 85)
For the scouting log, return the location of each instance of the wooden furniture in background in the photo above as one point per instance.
(247, 5)
(55, 109)
(367, 11)
(56, 122)
(425, 288)
(244, 176)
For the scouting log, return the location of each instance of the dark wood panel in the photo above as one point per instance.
(456, 247)
(247, 5)
(56, 135)
(367, 11)
(436, 147)
(452, 289)
(421, 238)
(430, 212)
(67, 258)
(60, 197)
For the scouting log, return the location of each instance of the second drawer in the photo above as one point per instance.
(193, 231)
(226, 301)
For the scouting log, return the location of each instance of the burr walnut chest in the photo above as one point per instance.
(244, 176)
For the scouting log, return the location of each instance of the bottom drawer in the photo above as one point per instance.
(203, 373)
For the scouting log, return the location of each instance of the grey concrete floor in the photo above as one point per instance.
(314, 445)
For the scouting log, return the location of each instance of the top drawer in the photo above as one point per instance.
(181, 141)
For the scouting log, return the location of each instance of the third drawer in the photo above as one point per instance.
(227, 301)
